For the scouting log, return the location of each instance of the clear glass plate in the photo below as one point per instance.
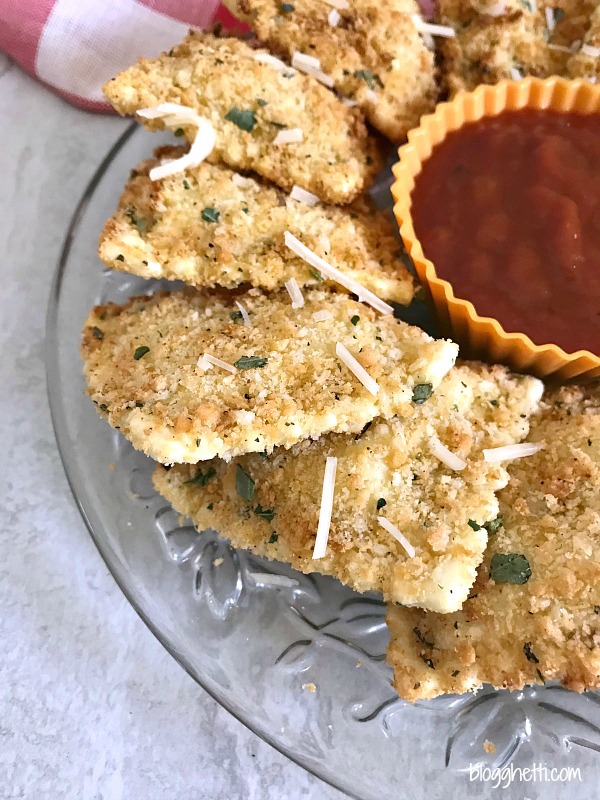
(299, 660)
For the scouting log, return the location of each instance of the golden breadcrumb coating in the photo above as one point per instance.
(586, 64)
(213, 227)
(141, 364)
(375, 54)
(573, 18)
(388, 471)
(336, 158)
(511, 634)
(487, 49)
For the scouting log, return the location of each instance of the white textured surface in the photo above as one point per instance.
(91, 706)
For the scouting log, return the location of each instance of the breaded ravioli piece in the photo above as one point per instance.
(249, 102)
(214, 227)
(534, 612)
(374, 54)
(387, 471)
(586, 63)
(487, 49)
(281, 381)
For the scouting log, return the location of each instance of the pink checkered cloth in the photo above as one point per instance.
(74, 46)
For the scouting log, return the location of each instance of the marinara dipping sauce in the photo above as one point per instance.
(508, 210)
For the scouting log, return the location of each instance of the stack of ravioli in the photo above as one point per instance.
(284, 403)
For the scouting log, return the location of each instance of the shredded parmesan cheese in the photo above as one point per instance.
(334, 274)
(334, 18)
(550, 20)
(321, 316)
(311, 66)
(244, 313)
(515, 73)
(302, 196)
(202, 146)
(393, 530)
(267, 58)
(303, 61)
(349, 103)
(356, 368)
(341, 5)
(326, 508)
(295, 293)
(433, 30)
(371, 96)
(511, 451)
(560, 47)
(589, 50)
(446, 456)
(206, 361)
(242, 182)
(288, 136)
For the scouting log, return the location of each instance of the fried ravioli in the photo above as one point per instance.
(213, 227)
(585, 63)
(248, 102)
(488, 48)
(534, 612)
(282, 380)
(387, 471)
(374, 54)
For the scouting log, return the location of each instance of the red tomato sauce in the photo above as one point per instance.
(508, 211)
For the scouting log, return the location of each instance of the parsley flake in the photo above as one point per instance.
(140, 352)
(421, 393)
(381, 503)
(178, 132)
(510, 568)
(244, 484)
(98, 334)
(120, 257)
(140, 223)
(202, 478)
(273, 538)
(421, 638)
(316, 274)
(494, 525)
(185, 184)
(474, 525)
(369, 78)
(529, 654)
(265, 513)
(235, 315)
(355, 319)
(211, 215)
(250, 362)
(244, 119)
(285, 8)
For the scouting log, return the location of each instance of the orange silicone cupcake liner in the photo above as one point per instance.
(484, 337)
